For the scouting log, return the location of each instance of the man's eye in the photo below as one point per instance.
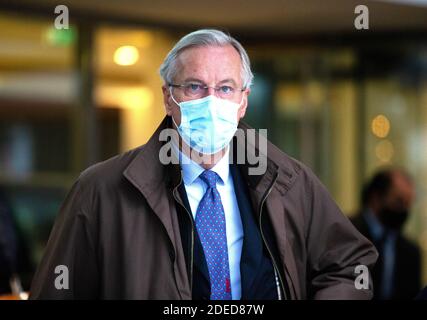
(195, 87)
(226, 89)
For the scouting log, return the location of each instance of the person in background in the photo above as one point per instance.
(14, 256)
(386, 203)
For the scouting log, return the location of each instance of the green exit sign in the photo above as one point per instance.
(61, 37)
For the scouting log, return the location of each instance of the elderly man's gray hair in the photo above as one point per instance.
(205, 37)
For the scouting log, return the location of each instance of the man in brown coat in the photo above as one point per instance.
(207, 209)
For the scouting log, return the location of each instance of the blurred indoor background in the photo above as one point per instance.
(343, 101)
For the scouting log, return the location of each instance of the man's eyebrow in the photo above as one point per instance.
(228, 80)
(193, 80)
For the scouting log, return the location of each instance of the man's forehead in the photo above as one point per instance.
(403, 186)
(209, 58)
(208, 64)
(401, 179)
(209, 50)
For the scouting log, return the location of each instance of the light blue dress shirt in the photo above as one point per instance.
(389, 252)
(196, 188)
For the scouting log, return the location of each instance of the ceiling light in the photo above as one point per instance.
(126, 55)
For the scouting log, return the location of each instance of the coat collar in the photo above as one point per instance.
(150, 176)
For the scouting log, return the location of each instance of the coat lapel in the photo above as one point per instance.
(154, 181)
(147, 174)
(272, 186)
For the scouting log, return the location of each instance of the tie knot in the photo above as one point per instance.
(209, 177)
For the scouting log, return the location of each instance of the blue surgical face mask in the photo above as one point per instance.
(208, 124)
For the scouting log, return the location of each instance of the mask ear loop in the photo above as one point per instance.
(241, 101)
(173, 120)
(170, 91)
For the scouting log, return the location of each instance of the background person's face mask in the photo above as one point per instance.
(393, 218)
(207, 124)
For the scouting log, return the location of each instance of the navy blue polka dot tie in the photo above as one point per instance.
(210, 224)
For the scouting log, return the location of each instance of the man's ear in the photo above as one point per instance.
(242, 110)
(166, 100)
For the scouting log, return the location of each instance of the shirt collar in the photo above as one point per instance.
(222, 168)
(191, 170)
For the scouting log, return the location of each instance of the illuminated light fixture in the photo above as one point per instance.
(384, 151)
(381, 126)
(139, 98)
(124, 97)
(126, 55)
